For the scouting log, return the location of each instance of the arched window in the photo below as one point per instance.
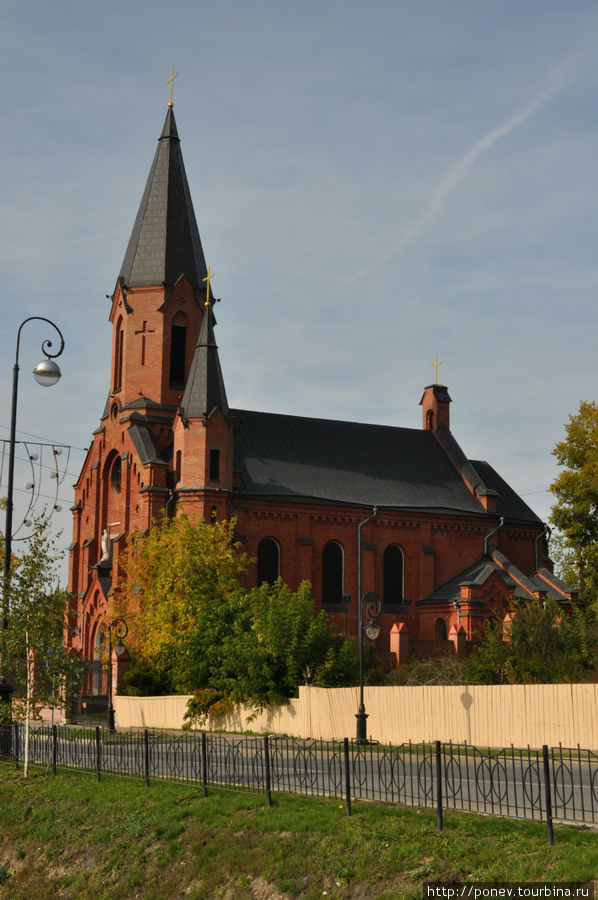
(441, 634)
(332, 575)
(116, 475)
(268, 561)
(393, 576)
(97, 686)
(113, 484)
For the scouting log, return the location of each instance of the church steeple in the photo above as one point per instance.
(203, 430)
(205, 390)
(165, 242)
(156, 306)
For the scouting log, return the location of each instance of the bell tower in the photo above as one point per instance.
(156, 306)
(157, 313)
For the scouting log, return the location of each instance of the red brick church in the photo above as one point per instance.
(443, 540)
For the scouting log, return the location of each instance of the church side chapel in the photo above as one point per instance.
(351, 507)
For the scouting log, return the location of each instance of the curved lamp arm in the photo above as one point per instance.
(45, 344)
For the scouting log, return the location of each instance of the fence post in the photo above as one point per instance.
(439, 785)
(547, 795)
(16, 743)
(347, 776)
(267, 764)
(54, 748)
(98, 754)
(146, 756)
(204, 762)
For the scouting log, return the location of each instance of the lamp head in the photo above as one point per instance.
(372, 630)
(47, 372)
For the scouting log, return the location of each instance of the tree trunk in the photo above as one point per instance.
(580, 563)
(27, 706)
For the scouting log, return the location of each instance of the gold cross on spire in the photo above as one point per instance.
(207, 279)
(170, 81)
(434, 366)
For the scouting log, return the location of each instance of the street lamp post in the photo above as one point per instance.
(373, 603)
(121, 630)
(46, 373)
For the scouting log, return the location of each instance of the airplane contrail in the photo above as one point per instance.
(455, 175)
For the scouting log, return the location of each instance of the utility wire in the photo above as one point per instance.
(44, 440)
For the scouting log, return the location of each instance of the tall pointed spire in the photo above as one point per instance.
(165, 242)
(205, 390)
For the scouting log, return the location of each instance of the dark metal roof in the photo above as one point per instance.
(347, 462)
(165, 242)
(145, 403)
(204, 390)
(145, 444)
(553, 584)
(525, 587)
(440, 392)
(510, 505)
(477, 575)
(523, 581)
(463, 465)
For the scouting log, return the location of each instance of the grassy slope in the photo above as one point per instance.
(72, 837)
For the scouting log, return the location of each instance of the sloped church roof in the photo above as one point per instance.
(307, 459)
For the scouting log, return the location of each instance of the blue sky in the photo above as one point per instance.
(374, 184)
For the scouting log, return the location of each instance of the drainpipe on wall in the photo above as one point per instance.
(361, 708)
(490, 533)
(359, 527)
(169, 501)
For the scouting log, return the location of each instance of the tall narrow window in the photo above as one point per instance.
(440, 630)
(268, 561)
(116, 475)
(118, 357)
(214, 465)
(178, 347)
(332, 574)
(393, 576)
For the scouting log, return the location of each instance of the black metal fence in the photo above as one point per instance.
(557, 782)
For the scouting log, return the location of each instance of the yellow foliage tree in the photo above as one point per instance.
(175, 574)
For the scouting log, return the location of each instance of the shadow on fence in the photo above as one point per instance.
(551, 783)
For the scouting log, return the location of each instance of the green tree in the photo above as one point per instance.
(194, 628)
(261, 644)
(32, 645)
(567, 559)
(542, 646)
(575, 513)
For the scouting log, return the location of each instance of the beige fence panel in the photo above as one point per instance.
(484, 715)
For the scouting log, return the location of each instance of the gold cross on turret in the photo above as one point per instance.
(434, 366)
(170, 81)
(207, 279)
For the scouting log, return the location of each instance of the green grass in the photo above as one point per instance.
(72, 837)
